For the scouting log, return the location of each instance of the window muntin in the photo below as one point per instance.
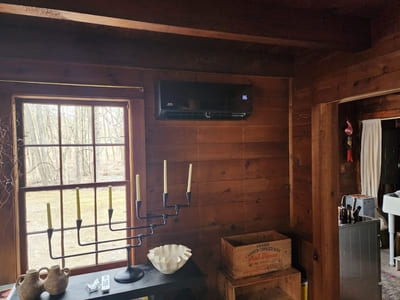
(66, 145)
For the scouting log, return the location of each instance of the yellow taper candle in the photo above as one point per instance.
(138, 187)
(165, 177)
(110, 197)
(189, 179)
(78, 204)
(49, 223)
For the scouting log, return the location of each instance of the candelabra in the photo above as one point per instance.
(131, 273)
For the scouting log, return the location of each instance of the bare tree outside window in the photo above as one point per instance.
(68, 145)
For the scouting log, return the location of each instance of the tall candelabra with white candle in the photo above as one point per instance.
(131, 273)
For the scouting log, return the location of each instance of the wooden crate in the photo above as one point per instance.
(278, 285)
(255, 253)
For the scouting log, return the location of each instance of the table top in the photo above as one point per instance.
(152, 283)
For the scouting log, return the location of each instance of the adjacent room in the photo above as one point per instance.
(200, 150)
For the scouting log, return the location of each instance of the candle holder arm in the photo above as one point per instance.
(138, 236)
(130, 274)
(149, 217)
(52, 256)
(177, 206)
(153, 225)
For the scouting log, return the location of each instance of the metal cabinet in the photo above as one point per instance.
(360, 263)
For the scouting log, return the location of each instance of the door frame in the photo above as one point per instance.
(326, 194)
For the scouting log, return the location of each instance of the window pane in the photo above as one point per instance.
(77, 164)
(36, 210)
(42, 166)
(40, 124)
(87, 234)
(87, 207)
(115, 255)
(76, 124)
(38, 250)
(36, 220)
(71, 247)
(109, 125)
(119, 214)
(118, 203)
(110, 163)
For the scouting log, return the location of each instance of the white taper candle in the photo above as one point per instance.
(138, 187)
(165, 177)
(189, 185)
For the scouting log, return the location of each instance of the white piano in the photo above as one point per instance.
(391, 205)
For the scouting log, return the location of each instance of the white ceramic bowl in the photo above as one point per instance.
(169, 258)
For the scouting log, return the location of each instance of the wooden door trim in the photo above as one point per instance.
(325, 194)
(325, 198)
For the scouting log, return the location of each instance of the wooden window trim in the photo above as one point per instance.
(135, 121)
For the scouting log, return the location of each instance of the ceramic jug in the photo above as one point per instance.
(57, 280)
(29, 285)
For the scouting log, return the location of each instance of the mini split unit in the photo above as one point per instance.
(181, 100)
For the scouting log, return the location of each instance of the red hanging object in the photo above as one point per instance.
(349, 141)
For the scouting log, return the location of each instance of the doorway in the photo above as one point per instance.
(390, 174)
(349, 172)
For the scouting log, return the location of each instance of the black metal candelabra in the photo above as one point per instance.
(131, 273)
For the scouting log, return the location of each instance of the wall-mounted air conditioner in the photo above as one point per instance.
(202, 100)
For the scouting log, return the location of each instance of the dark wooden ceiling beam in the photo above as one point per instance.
(227, 20)
(77, 43)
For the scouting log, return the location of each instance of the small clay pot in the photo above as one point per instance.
(57, 280)
(29, 285)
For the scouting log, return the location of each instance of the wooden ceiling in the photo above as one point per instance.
(356, 8)
(284, 27)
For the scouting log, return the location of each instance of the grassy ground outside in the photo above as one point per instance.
(37, 224)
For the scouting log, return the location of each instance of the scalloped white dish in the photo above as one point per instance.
(169, 258)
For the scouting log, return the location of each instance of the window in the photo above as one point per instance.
(65, 145)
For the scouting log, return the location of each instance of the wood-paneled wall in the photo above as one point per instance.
(301, 217)
(240, 168)
(338, 77)
(349, 172)
(382, 107)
